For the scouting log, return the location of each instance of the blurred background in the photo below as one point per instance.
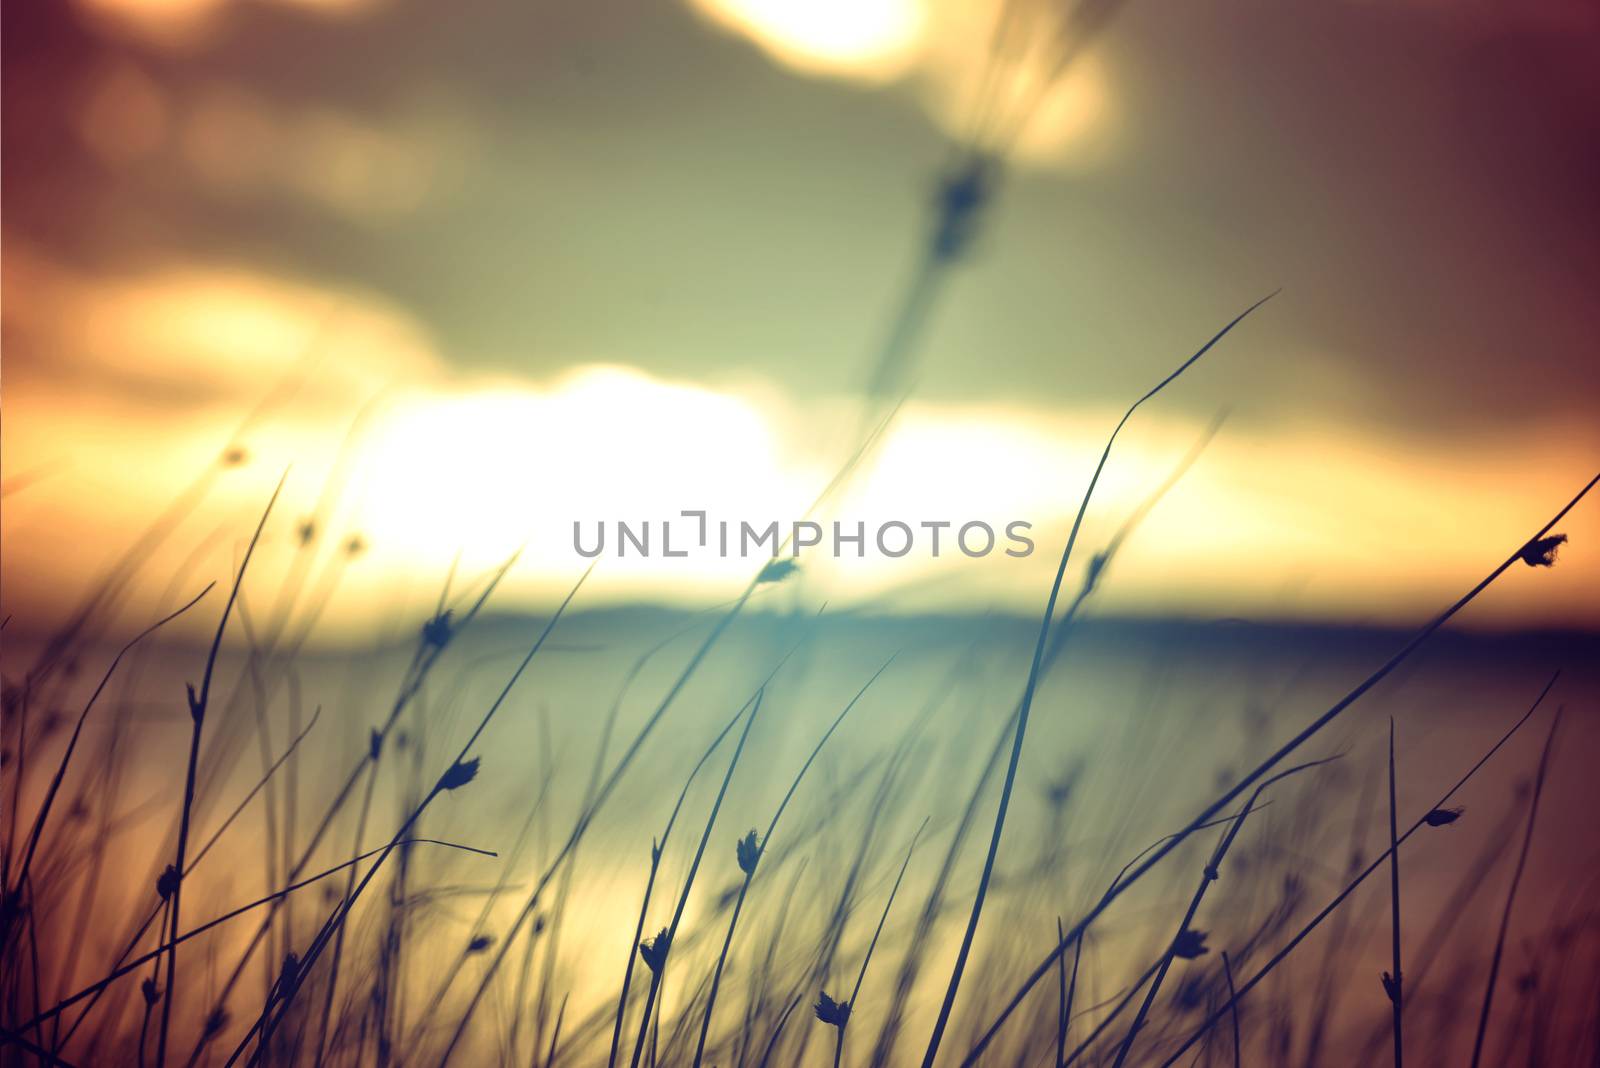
(473, 272)
(461, 275)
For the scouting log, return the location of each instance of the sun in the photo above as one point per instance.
(872, 40)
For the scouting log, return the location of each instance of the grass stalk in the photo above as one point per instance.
(1026, 707)
(1511, 893)
(590, 811)
(458, 773)
(657, 848)
(1233, 1007)
(155, 954)
(1186, 925)
(1304, 735)
(439, 633)
(662, 944)
(1351, 887)
(1394, 983)
(855, 992)
(1062, 1003)
(54, 788)
(757, 850)
(197, 715)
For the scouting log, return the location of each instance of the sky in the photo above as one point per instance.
(473, 272)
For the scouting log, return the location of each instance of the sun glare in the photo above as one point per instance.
(498, 466)
(439, 462)
(875, 40)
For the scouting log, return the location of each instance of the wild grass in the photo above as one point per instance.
(748, 853)
(1511, 894)
(1393, 978)
(457, 879)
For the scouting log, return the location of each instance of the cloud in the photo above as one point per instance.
(202, 333)
(186, 25)
(1016, 77)
(424, 462)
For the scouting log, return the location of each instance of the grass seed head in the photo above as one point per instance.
(1443, 817)
(1541, 552)
(749, 853)
(460, 773)
(438, 631)
(1092, 573)
(831, 1012)
(778, 570)
(653, 951)
(1190, 944)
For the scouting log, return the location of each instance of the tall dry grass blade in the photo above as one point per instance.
(855, 994)
(1351, 887)
(1233, 1005)
(555, 1035)
(597, 770)
(1076, 938)
(200, 854)
(459, 773)
(1123, 1000)
(1310, 730)
(933, 905)
(660, 948)
(197, 715)
(1511, 893)
(437, 635)
(77, 730)
(1040, 646)
(277, 895)
(1186, 929)
(750, 858)
(590, 811)
(43, 1055)
(1063, 1006)
(657, 848)
(1393, 984)
(1101, 561)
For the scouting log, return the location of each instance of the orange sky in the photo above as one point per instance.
(447, 378)
(382, 440)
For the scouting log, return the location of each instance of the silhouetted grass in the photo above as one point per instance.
(198, 705)
(1393, 980)
(1303, 736)
(837, 1014)
(366, 967)
(1511, 893)
(655, 951)
(750, 850)
(1350, 887)
(1031, 686)
(656, 847)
